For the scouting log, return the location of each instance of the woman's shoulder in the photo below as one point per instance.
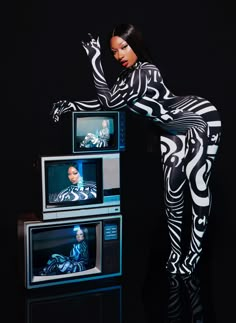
(144, 67)
(89, 185)
(148, 66)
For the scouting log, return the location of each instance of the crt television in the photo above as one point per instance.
(99, 175)
(98, 131)
(41, 242)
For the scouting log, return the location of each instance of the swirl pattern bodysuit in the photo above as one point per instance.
(189, 143)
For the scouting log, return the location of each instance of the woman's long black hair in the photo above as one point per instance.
(132, 35)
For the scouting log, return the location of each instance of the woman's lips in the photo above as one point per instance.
(124, 63)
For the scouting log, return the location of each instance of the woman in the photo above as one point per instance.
(104, 134)
(98, 140)
(78, 190)
(191, 133)
(75, 262)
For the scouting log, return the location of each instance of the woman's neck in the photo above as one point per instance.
(135, 65)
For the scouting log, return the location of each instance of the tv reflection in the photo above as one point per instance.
(76, 261)
(184, 299)
(96, 305)
(78, 190)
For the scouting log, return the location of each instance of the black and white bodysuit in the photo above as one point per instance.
(189, 143)
(75, 192)
(77, 261)
(99, 140)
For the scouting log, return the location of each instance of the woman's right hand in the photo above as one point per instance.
(92, 47)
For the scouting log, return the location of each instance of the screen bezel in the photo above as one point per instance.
(65, 163)
(110, 115)
(105, 202)
(97, 272)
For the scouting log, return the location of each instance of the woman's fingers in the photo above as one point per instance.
(91, 37)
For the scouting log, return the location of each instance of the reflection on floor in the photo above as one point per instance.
(182, 301)
(160, 297)
(99, 305)
(145, 293)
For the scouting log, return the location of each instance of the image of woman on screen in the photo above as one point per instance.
(78, 190)
(190, 134)
(77, 260)
(98, 140)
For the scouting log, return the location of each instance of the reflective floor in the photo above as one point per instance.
(145, 293)
(140, 296)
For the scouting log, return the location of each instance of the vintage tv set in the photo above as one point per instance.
(98, 131)
(97, 171)
(41, 241)
(99, 305)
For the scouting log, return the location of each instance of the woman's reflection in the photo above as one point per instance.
(184, 300)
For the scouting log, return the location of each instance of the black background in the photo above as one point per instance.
(193, 46)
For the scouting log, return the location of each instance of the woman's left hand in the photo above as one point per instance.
(60, 107)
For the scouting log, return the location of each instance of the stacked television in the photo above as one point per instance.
(53, 231)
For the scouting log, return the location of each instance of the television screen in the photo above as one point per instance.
(98, 131)
(80, 185)
(59, 252)
(100, 305)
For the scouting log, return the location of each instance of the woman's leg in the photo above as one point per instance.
(173, 151)
(175, 299)
(52, 264)
(199, 160)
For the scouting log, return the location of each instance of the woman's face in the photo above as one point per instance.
(73, 175)
(122, 52)
(79, 235)
(104, 123)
